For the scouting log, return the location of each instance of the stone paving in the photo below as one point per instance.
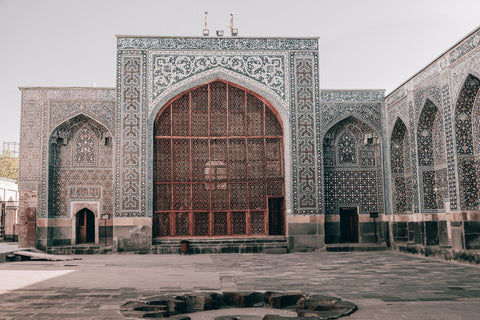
(385, 285)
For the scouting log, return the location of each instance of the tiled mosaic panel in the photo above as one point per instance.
(80, 167)
(449, 141)
(468, 137)
(430, 136)
(354, 182)
(413, 157)
(132, 118)
(400, 163)
(434, 189)
(349, 143)
(353, 188)
(469, 183)
(306, 189)
(176, 66)
(463, 117)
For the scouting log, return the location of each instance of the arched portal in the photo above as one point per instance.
(401, 168)
(432, 157)
(218, 165)
(85, 226)
(467, 133)
(352, 176)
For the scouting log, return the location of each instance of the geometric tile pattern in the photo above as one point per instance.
(450, 149)
(306, 188)
(463, 117)
(401, 172)
(177, 66)
(467, 136)
(352, 171)
(80, 166)
(431, 157)
(131, 136)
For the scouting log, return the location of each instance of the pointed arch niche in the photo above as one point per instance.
(432, 158)
(401, 169)
(467, 134)
(352, 167)
(80, 166)
(218, 165)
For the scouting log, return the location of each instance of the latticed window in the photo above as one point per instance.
(218, 158)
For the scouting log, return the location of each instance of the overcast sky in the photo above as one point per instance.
(364, 44)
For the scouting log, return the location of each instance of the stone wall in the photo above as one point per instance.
(433, 151)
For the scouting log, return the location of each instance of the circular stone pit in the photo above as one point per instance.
(176, 307)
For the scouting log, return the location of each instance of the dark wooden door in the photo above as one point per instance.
(348, 224)
(276, 225)
(85, 226)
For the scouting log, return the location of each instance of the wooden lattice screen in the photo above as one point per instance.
(218, 157)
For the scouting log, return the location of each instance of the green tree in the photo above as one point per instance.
(8, 166)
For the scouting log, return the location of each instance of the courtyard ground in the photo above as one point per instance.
(384, 285)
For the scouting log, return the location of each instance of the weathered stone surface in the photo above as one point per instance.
(244, 299)
(324, 307)
(312, 307)
(284, 300)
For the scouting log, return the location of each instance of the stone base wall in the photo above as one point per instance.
(132, 234)
(460, 231)
(305, 233)
(27, 218)
(369, 231)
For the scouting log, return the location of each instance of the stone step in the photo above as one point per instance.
(352, 247)
(274, 245)
(78, 249)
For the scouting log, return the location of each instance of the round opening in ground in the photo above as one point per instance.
(240, 305)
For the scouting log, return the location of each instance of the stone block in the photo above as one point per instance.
(443, 233)
(411, 232)
(400, 231)
(431, 233)
(419, 232)
(306, 243)
(302, 229)
(471, 227)
(457, 238)
(284, 300)
(244, 299)
(133, 238)
(367, 227)
(59, 232)
(472, 241)
(332, 228)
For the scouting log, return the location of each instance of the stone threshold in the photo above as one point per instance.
(440, 252)
(272, 244)
(351, 247)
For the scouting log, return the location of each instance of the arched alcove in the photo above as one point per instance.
(432, 157)
(467, 134)
(352, 176)
(218, 163)
(80, 166)
(401, 168)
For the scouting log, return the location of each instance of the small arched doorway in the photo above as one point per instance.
(85, 226)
